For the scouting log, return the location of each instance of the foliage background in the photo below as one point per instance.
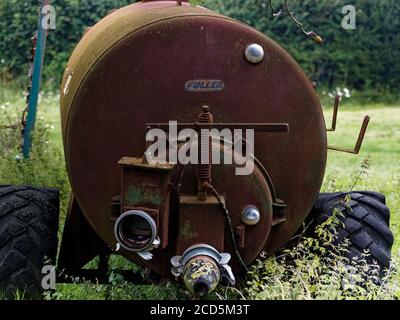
(365, 58)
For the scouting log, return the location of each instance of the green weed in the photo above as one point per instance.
(303, 272)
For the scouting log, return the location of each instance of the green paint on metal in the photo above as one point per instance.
(135, 196)
(156, 198)
(187, 232)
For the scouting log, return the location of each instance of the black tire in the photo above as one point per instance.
(366, 221)
(28, 238)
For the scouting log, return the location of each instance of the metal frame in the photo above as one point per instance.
(36, 78)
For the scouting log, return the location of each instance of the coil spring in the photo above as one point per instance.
(204, 170)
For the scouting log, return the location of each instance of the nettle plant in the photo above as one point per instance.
(315, 268)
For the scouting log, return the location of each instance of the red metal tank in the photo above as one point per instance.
(147, 63)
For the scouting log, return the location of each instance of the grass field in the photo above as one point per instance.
(381, 147)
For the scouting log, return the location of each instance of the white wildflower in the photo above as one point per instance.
(347, 93)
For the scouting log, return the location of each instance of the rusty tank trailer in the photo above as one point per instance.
(154, 62)
(138, 66)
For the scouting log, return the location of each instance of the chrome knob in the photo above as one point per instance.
(250, 216)
(254, 53)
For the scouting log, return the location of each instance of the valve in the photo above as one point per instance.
(202, 267)
(136, 231)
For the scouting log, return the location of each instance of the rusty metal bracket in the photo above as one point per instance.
(335, 114)
(279, 213)
(360, 139)
(146, 188)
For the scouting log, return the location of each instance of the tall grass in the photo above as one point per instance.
(317, 269)
(303, 272)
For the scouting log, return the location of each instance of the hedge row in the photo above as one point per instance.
(18, 22)
(367, 57)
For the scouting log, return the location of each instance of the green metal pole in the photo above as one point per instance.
(36, 78)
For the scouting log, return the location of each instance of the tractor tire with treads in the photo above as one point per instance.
(28, 237)
(366, 224)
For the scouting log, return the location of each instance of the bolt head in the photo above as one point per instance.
(251, 216)
(254, 53)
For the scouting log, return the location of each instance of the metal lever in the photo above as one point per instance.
(359, 140)
(335, 114)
